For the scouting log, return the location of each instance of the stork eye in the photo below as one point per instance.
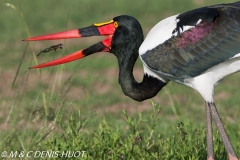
(115, 24)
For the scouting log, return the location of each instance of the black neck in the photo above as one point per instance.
(148, 88)
(125, 44)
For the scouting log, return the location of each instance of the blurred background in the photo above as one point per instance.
(36, 104)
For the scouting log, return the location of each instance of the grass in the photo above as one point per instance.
(80, 106)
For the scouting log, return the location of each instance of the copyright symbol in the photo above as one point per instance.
(4, 154)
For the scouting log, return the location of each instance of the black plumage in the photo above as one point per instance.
(221, 43)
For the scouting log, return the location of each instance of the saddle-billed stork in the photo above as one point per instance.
(197, 48)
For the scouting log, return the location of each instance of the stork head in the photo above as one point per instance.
(122, 33)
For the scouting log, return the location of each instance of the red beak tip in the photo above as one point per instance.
(33, 67)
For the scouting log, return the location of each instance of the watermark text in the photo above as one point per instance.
(43, 154)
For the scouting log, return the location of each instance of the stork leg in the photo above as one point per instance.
(222, 132)
(210, 153)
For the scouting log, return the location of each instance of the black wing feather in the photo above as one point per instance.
(191, 18)
(220, 44)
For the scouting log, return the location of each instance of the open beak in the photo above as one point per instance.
(101, 29)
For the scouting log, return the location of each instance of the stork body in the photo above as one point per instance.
(201, 53)
(197, 49)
